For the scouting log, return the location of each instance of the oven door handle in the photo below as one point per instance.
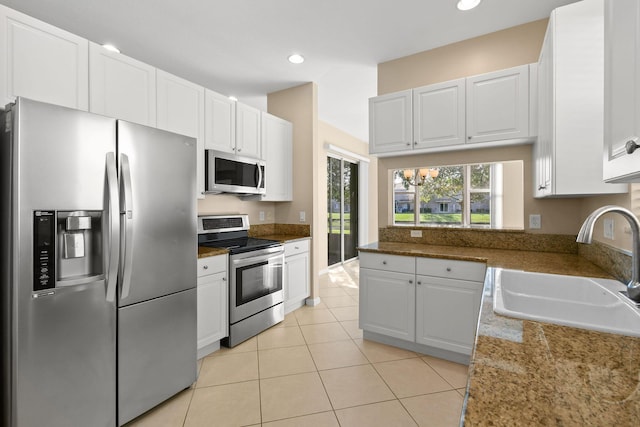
(236, 263)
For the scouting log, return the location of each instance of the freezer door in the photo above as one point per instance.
(157, 352)
(62, 342)
(159, 237)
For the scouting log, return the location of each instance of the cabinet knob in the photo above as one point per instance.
(449, 269)
(408, 144)
(469, 137)
(631, 145)
(419, 282)
(224, 279)
(384, 262)
(205, 267)
(411, 282)
(239, 150)
(296, 247)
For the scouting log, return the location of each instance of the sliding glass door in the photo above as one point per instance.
(342, 210)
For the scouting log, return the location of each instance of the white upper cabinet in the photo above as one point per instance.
(390, 123)
(498, 105)
(42, 62)
(568, 152)
(220, 122)
(121, 87)
(277, 149)
(248, 133)
(439, 114)
(180, 109)
(622, 90)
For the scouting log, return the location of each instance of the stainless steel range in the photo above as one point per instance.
(256, 298)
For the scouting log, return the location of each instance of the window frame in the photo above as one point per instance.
(494, 189)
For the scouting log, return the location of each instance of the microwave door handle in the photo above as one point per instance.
(260, 177)
(114, 226)
(127, 225)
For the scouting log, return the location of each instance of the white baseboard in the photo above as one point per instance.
(313, 301)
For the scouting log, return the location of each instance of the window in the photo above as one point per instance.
(458, 195)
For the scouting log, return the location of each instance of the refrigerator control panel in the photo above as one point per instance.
(44, 235)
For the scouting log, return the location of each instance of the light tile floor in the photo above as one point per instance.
(314, 369)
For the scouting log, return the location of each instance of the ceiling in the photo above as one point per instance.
(240, 47)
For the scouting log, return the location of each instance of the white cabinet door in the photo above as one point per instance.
(439, 114)
(42, 62)
(248, 133)
(212, 315)
(390, 123)
(498, 105)
(447, 313)
(220, 122)
(622, 90)
(297, 287)
(277, 149)
(121, 87)
(387, 303)
(180, 109)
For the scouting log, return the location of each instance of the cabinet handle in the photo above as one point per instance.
(205, 267)
(449, 269)
(631, 145)
(542, 187)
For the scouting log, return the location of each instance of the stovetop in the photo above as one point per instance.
(240, 244)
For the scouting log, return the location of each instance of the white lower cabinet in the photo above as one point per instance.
(296, 276)
(213, 303)
(424, 304)
(387, 303)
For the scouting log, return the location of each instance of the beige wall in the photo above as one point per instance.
(219, 204)
(328, 134)
(503, 49)
(512, 194)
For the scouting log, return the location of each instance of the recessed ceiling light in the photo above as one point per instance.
(468, 4)
(111, 48)
(296, 58)
(233, 98)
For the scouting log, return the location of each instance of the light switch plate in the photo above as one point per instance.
(535, 222)
(261, 215)
(609, 228)
(303, 216)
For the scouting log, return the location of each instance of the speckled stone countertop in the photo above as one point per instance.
(526, 373)
(204, 251)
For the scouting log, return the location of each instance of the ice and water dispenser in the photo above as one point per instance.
(68, 248)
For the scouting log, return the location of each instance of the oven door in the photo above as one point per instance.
(256, 282)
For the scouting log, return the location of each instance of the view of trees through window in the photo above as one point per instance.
(445, 195)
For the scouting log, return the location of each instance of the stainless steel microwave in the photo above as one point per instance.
(228, 173)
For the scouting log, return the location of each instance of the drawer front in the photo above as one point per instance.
(212, 265)
(296, 247)
(451, 269)
(400, 264)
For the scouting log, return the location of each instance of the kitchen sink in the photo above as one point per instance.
(580, 302)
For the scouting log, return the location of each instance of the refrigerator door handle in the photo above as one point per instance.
(114, 226)
(126, 203)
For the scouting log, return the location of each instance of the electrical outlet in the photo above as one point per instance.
(608, 228)
(303, 216)
(535, 222)
(416, 233)
(261, 215)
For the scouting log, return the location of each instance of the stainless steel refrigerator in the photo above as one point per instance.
(98, 266)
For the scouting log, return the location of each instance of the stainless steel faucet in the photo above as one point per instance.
(586, 233)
